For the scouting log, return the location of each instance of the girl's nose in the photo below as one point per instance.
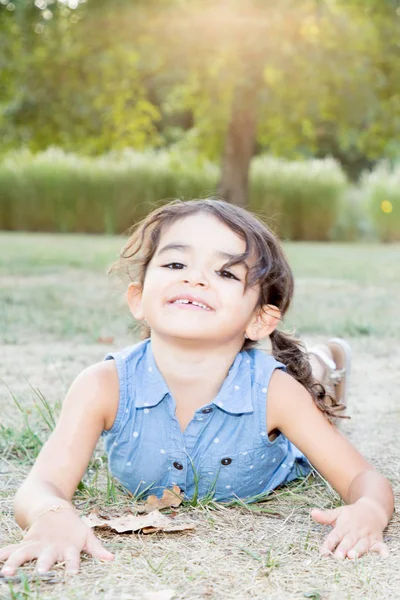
(195, 277)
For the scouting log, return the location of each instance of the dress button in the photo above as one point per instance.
(205, 411)
(226, 461)
(178, 465)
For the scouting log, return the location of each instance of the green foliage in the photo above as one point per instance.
(108, 75)
(55, 191)
(333, 92)
(381, 189)
(301, 200)
(75, 82)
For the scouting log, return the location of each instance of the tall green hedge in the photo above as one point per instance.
(381, 189)
(54, 191)
(303, 199)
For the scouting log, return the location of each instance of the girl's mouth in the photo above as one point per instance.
(190, 303)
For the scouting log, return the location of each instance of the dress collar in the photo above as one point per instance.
(234, 396)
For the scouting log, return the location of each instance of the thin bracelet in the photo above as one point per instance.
(55, 509)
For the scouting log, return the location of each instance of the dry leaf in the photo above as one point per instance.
(170, 499)
(93, 520)
(148, 523)
(147, 530)
(161, 595)
(129, 522)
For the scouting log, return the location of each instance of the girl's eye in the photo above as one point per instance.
(227, 275)
(174, 265)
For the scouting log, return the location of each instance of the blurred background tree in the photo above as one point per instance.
(225, 79)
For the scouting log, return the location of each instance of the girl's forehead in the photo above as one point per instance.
(205, 231)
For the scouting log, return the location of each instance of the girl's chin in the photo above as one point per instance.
(189, 334)
(198, 335)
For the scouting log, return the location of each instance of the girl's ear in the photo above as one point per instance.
(134, 297)
(264, 322)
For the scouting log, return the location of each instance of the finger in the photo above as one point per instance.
(18, 558)
(47, 558)
(325, 517)
(72, 560)
(7, 551)
(96, 549)
(345, 545)
(381, 548)
(331, 541)
(360, 548)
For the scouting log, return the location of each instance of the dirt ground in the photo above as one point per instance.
(216, 561)
(234, 553)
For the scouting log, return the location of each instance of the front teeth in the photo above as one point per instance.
(183, 301)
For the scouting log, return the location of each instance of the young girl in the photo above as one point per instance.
(195, 402)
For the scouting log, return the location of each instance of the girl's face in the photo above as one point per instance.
(187, 292)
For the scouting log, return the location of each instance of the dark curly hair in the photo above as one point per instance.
(271, 271)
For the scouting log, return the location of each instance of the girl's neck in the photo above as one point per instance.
(194, 374)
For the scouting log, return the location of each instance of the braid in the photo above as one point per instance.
(292, 354)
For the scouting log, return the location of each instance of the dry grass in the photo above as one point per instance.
(55, 311)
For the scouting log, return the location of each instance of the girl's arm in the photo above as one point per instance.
(89, 407)
(357, 527)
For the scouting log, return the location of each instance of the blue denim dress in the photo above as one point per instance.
(224, 451)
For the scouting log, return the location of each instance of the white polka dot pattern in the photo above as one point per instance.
(230, 430)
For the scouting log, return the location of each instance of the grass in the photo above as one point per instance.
(348, 289)
(83, 306)
(58, 311)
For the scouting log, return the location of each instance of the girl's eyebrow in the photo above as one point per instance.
(187, 247)
(181, 247)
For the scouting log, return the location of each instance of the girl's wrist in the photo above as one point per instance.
(56, 507)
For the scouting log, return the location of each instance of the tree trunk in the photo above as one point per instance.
(239, 147)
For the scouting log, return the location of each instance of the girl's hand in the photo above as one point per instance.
(54, 538)
(357, 529)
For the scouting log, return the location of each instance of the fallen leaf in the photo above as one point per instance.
(170, 499)
(128, 522)
(148, 523)
(147, 530)
(93, 520)
(161, 595)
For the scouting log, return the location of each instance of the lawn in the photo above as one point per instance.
(61, 313)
